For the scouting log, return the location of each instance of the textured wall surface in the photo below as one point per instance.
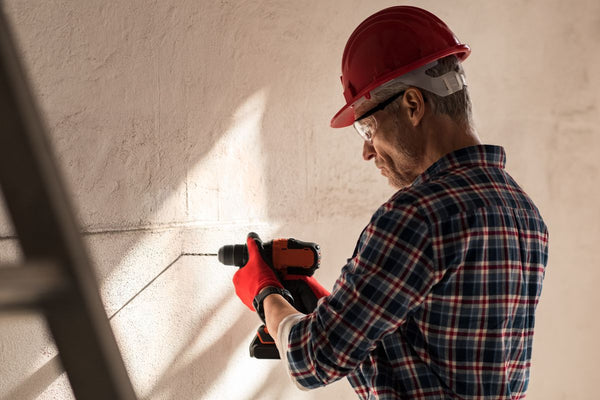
(181, 125)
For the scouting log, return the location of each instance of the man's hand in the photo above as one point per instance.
(255, 275)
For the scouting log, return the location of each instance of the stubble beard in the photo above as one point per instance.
(410, 155)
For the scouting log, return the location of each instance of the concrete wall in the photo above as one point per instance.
(181, 125)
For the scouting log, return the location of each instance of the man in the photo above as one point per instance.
(439, 297)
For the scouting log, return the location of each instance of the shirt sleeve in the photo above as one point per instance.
(390, 274)
(283, 333)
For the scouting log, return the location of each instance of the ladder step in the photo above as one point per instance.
(26, 286)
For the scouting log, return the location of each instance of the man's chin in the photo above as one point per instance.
(397, 186)
(397, 183)
(394, 181)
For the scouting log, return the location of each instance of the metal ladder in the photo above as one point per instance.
(57, 276)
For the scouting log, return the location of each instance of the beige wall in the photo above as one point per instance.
(180, 125)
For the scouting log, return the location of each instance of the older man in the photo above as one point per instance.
(438, 299)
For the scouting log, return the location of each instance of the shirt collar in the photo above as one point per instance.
(483, 155)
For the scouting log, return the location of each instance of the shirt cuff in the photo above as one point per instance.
(283, 334)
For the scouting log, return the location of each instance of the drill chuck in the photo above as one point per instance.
(233, 254)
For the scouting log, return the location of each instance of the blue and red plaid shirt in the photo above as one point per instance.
(438, 300)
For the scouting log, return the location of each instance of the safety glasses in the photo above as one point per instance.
(366, 125)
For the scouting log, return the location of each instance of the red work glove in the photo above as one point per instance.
(255, 275)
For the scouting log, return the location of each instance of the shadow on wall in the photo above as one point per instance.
(237, 114)
(32, 386)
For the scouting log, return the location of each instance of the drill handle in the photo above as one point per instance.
(305, 300)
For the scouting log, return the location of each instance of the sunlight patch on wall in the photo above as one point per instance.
(228, 183)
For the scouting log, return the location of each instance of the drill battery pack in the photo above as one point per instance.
(263, 345)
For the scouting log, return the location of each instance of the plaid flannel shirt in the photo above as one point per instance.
(438, 300)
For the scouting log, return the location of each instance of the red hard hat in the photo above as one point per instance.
(389, 44)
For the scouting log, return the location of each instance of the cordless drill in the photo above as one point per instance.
(286, 257)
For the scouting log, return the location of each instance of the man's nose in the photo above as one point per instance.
(368, 151)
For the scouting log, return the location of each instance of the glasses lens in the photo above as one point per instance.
(366, 127)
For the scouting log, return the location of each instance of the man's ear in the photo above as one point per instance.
(414, 104)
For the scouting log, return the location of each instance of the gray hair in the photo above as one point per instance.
(457, 105)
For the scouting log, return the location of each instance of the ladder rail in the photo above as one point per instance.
(48, 232)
